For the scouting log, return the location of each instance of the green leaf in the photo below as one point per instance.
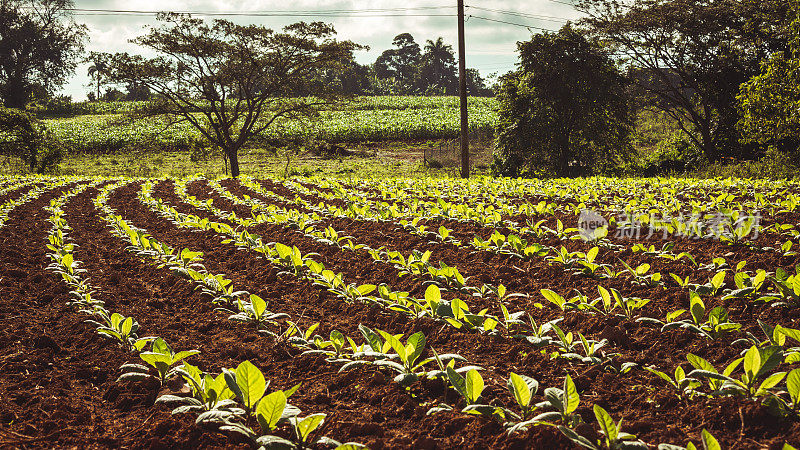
(571, 398)
(793, 386)
(251, 382)
(520, 389)
(553, 298)
(259, 305)
(709, 442)
(270, 410)
(457, 381)
(607, 424)
(433, 294)
(307, 425)
(415, 346)
(473, 386)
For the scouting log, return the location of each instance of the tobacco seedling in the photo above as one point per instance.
(539, 337)
(790, 407)
(562, 303)
(564, 401)
(119, 328)
(681, 383)
(640, 277)
(613, 437)
(713, 326)
(254, 312)
(469, 386)
(707, 441)
(592, 269)
(161, 357)
(208, 392)
(756, 363)
(409, 368)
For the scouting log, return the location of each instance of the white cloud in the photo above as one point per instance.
(491, 46)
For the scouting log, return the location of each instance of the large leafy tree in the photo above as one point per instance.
(40, 46)
(437, 68)
(232, 82)
(399, 63)
(563, 111)
(691, 56)
(770, 102)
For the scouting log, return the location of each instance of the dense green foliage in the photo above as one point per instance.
(563, 112)
(770, 102)
(689, 57)
(24, 137)
(40, 46)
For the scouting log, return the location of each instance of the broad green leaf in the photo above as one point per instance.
(307, 425)
(520, 390)
(607, 424)
(259, 305)
(270, 410)
(793, 386)
(474, 385)
(251, 382)
(553, 298)
(709, 442)
(571, 398)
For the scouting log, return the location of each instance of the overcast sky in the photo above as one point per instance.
(490, 45)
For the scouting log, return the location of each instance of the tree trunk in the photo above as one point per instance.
(15, 95)
(709, 148)
(233, 155)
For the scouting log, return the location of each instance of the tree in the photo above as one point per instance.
(563, 111)
(27, 138)
(98, 69)
(770, 102)
(40, 46)
(437, 68)
(400, 63)
(476, 85)
(232, 82)
(691, 56)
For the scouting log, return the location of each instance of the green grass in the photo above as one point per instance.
(372, 160)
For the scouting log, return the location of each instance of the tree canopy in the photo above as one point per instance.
(691, 56)
(770, 102)
(563, 111)
(40, 46)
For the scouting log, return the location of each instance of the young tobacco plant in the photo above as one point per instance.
(711, 326)
(685, 386)
(161, 357)
(613, 437)
(707, 442)
(757, 362)
(564, 401)
(253, 312)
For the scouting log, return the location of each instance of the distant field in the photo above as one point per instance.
(364, 119)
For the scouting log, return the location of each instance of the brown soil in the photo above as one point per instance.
(58, 387)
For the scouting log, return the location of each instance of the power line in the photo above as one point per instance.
(519, 14)
(512, 23)
(368, 12)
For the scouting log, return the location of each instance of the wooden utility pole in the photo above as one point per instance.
(462, 90)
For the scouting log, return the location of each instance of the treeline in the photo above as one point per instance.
(404, 69)
(721, 77)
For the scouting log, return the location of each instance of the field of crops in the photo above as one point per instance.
(364, 119)
(397, 313)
